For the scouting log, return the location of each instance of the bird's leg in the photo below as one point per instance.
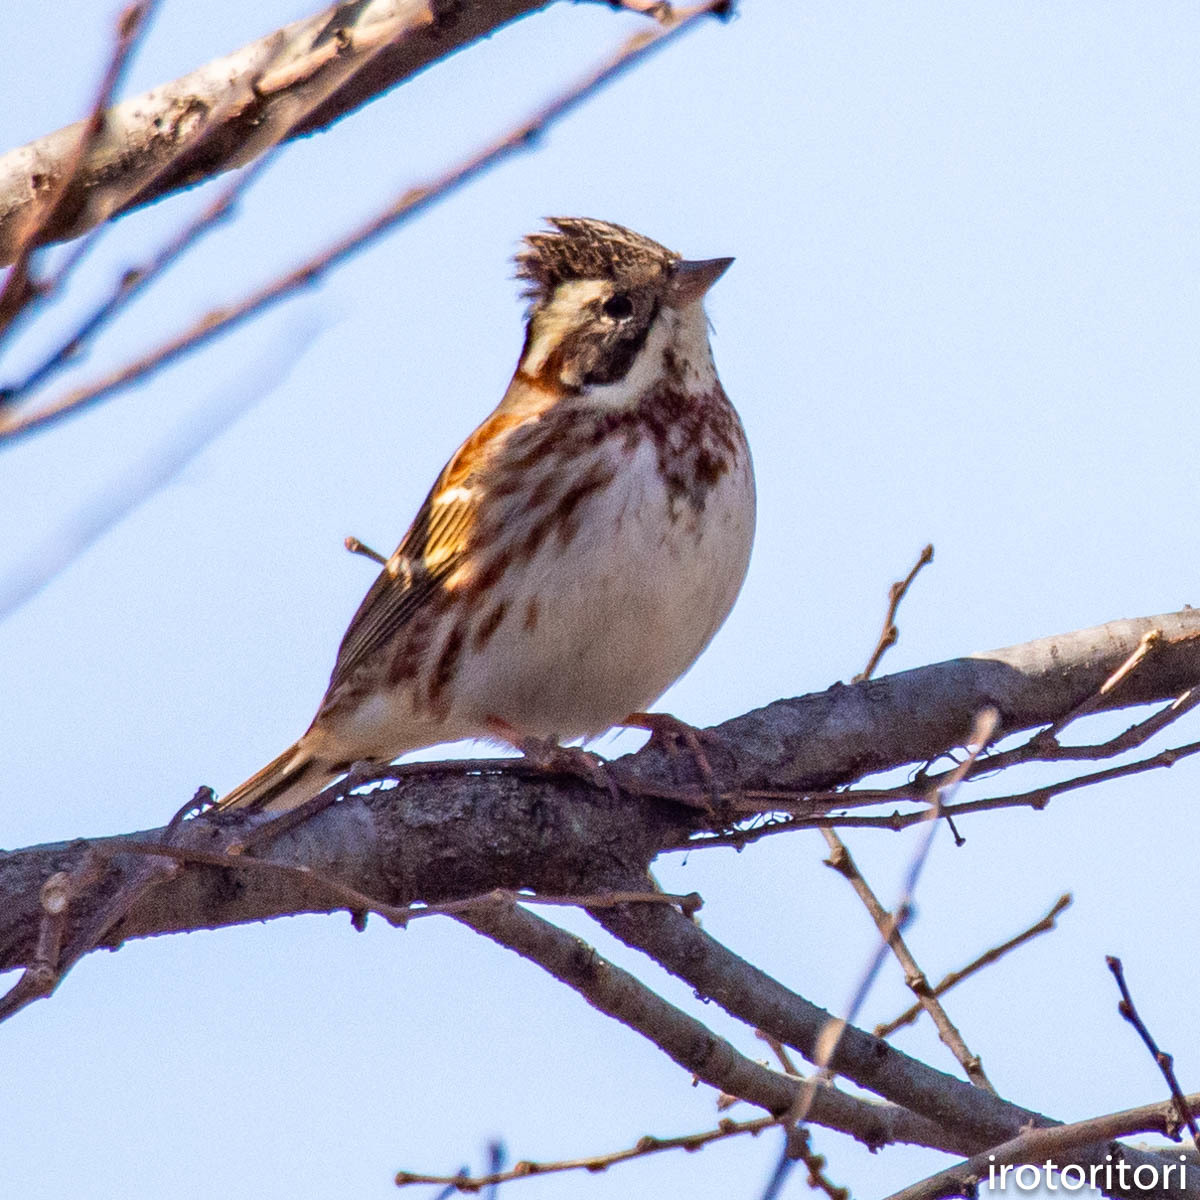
(545, 754)
(668, 732)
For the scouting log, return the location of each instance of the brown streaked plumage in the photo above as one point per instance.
(578, 551)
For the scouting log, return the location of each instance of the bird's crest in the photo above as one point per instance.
(583, 248)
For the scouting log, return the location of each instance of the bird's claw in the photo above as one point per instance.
(547, 755)
(669, 733)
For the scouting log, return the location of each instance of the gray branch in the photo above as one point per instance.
(449, 832)
(691, 1044)
(443, 834)
(293, 82)
(840, 735)
(971, 1113)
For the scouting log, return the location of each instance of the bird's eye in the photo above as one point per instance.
(618, 306)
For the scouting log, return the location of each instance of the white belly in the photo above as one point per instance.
(620, 613)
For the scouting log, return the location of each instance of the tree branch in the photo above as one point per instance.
(834, 737)
(703, 1054)
(752, 996)
(452, 830)
(1084, 1144)
(747, 993)
(842, 861)
(994, 954)
(187, 131)
(48, 197)
(403, 207)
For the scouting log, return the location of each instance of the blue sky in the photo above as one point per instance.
(964, 311)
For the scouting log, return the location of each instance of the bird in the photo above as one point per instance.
(579, 550)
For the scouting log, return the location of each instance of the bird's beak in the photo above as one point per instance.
(692, 278)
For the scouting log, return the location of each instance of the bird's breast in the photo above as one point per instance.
(609, 570)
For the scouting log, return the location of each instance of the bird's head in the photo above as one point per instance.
(611, 312)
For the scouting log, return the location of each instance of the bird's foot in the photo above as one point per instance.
(546, 755)
(669, 734)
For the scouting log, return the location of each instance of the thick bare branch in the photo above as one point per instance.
(47, 201)
(751, 995)
(747, 993)
(451, 831)
(691, 1044)
(164, 140)
(834, 737)
(404, 207)
(448, 831)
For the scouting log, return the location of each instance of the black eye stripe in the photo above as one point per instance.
(619, 354)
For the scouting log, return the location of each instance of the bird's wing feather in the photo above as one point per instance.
(432, 550)
(437, 545)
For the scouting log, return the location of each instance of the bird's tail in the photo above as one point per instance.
(283, 784)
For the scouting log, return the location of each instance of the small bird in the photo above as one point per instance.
(580, 548)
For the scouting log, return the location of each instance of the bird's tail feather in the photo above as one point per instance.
(283, 784)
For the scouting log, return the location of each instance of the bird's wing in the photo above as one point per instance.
(437, 545)
(432, 550)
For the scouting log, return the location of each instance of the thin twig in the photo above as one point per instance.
(1038, 750)
(1054, 1144)
(841, 860)
(403, 208)
(725, 1100)
(122, 171)
(1164, 1061)
(835, 1028)
(260, 145)
(782, 801)
(890, 633)
(768, 803)
(1047, 923)
(1043, 745)
(356, 547)
(780, 1051)
(801, 804)
(44, 976)
(751, 800)
(1038, 798)
(891, 924)
(45, 972)
(800, 1149)
(19, 289)
(133, 281)
(1150, 639)
(596, 1162)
